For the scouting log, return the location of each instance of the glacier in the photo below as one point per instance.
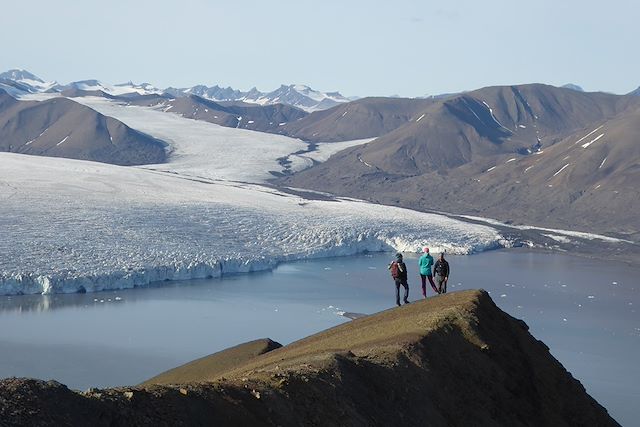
(76, 226)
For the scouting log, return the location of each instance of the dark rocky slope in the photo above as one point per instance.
(263, 118)
(60, 127)
(452, 360)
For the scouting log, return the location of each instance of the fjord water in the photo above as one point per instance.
(585, 310)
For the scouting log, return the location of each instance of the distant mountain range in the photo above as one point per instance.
(529, 154)
(17, 82)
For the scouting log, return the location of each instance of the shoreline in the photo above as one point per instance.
(199, 272)
(131, 279)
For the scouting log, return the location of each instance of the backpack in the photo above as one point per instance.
(440, 268)
(395, 270)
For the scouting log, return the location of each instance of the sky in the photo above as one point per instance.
(360, 48)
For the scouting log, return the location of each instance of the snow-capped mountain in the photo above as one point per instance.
(115, 90)
(18, 75)
(20, 82)
(573, 87)
(142, 88)
(635, 92)
(214, 93)
(299, 96)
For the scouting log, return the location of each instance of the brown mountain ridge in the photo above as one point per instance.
(515, 153)
(60, 127)
(451, 360)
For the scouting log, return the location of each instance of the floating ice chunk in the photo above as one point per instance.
(503, 296)
(564, 319)
(490, 169)
(591, 297)
(118, 299)
(614, 283)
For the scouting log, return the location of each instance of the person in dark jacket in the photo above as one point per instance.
(441, 270)
(399, 273)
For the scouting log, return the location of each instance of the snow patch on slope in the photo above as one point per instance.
(579, 234)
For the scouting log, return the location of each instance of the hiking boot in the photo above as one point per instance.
(406, 301)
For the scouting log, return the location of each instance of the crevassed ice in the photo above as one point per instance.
(73, 247)
(70, 225)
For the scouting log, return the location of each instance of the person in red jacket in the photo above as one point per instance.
(399, 273)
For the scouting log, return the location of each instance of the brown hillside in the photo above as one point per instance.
(209, 368)
(364, 118)
(61, 127)
(263, 118)
(497, 152)
(452, 360)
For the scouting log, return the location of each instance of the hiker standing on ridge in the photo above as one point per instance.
(425, 262)
(441, 270)
(399, 273)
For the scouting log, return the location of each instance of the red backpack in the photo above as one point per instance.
(395, 270)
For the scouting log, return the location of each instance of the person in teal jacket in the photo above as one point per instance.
(425, 263)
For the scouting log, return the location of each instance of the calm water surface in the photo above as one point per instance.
(584, 310)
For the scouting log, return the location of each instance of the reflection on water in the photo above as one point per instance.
(585, 310)
(26, 303)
